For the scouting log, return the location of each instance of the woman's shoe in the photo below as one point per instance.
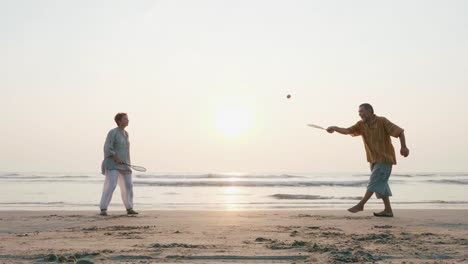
(131, 212)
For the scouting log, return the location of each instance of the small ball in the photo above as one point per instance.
(288, 96)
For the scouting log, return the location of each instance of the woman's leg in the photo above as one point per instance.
(109, 186)
(126, 189)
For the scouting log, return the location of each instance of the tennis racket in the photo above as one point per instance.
(137, 168)
(315, 126)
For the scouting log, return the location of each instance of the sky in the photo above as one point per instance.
(205, 82)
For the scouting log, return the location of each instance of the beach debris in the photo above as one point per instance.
(428, 234)
(378, 238)
(275, 245)
(84, 261)
(322, 249)
(351, 256)
(298, 244)
(177, 245)
(71, 258)
(59, 258)
(304, 215)
(347, 255)
(50, 258)
(294, 233)
(62, 259)
(383, 226)
(262, 239)
(115, 228)
(240, 258)
(331, 234)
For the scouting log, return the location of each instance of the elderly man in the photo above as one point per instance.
(376, 131)
(115, 166)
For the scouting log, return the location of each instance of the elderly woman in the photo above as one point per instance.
(115, 166)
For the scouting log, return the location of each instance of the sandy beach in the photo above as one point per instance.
(413, 236)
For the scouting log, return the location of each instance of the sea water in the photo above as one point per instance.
(230, 191)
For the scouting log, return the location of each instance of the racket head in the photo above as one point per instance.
(138, 168)
(315, 126)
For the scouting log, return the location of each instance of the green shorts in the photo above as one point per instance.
(378, 182)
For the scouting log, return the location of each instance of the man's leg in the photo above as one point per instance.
(385, 192)
(109, 186)
(360, 206)
(387, 212)
(388, 207)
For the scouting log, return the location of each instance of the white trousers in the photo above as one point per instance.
(126, 188)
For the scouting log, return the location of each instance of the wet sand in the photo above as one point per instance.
(412, 236)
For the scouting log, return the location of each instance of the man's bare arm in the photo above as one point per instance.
(404, 149)
(340, 130)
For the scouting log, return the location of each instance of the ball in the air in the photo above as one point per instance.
(288, 96)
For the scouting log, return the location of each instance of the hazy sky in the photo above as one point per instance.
(205, 82)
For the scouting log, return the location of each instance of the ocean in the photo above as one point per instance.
(230, 191)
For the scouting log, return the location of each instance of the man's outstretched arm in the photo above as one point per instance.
(340, 130)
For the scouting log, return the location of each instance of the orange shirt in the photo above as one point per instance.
(376, 137)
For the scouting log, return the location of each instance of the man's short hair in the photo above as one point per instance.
(118, 117)
(367, 107)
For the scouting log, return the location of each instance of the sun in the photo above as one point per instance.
(233, 120)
